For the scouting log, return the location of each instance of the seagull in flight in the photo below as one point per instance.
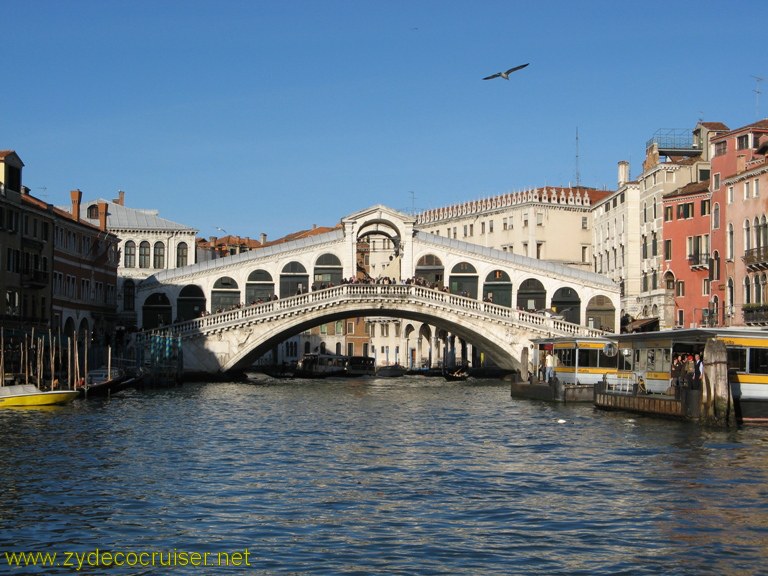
(506, 74)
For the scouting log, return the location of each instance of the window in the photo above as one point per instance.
(93, 212)
(585, 254)
(716, 217)
(742, 142)
(730, 194)
(705, 207)
(181, 254)
(159, 262)
(130, 254)
(583, 222)
(668, 213)
(721, 147)
(645, 247)
(667, 249)
(503, 223)
(680, 288)
(705, 287)
(685, 211)
(129, 296)
(746, 190)
(756, 188)
(525, 218)
(490, 226)
(716, 181)
(654, 245)
(539, 219)
(482, 228)
(729, 243)
(144, 254)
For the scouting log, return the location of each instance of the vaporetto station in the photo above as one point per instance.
(231, 311)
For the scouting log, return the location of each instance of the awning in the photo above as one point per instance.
(643, 325)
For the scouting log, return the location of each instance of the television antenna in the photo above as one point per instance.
(757, 92)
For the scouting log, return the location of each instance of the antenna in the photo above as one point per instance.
(758, 79)
(413, 202)
(578, 175)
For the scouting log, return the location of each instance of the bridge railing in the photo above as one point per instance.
(361, 292)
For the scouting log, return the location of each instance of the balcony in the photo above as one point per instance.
(34, 279)
(755, 314)
(674, 142)
(756, 258)
(699, 261)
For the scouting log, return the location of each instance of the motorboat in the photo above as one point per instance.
(31, 395)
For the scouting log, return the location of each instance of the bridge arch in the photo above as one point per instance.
(566, 302)
(190, 303)
(430, 269)
(294, 279)
(464, 280)
(156, 311)
(601, 314)
(531, 295)
(328, 271)
(259, 286)
(225, 294)
(498, 288)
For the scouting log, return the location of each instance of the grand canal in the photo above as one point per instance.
(398, 476)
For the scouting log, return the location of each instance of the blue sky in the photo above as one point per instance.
(271, 116)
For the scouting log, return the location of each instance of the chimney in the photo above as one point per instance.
(263, 238)
(103, 216)
(76, 197)
(120, 200)
(623, 172)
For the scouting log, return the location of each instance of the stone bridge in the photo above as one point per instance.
(231, 310)
(233, 340)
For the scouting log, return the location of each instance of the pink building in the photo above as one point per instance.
(739, 235)
(686, 254)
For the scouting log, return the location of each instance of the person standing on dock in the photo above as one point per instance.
(698, 372)
(550, 367)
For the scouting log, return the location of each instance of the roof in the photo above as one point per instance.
(688, 190)
(58, 212)
(642, 325)
(120, 217)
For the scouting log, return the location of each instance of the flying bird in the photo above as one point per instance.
(506, 74)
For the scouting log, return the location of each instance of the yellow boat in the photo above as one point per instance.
(31, 395)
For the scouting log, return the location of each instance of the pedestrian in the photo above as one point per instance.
(676, 373)
(550, 367)
(698, 372)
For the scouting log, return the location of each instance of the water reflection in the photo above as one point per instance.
(409, 475)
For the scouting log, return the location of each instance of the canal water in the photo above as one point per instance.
(382, 476)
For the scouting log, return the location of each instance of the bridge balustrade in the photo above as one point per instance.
(266, 311)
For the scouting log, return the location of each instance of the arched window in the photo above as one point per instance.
(144, 255)
(181, 254)
(747, 236)
(93, 212)
(159, 263)
(729, 243)
(129, 258)
(747, 299)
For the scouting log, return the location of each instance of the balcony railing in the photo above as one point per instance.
(756, 258)
(755, 314)
(699, 261)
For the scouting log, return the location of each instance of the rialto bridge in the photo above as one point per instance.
(230, 311)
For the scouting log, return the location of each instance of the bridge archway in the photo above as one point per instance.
(225, 294)
(191, 303)
(531, 295)
(430, 269)
(498, 288)
(259, 286)
(566, 301)
(601, 314)
(328, 271)
(464, 280)
(156, 311)
(293, 279)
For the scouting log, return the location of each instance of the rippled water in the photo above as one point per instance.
(397, 476)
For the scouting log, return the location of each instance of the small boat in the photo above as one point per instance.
(361, 366)
(320, 365)
(392, 371)
(105, 382)
(31, 395)
(457, 375)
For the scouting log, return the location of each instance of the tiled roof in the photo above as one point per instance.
(689, 189)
